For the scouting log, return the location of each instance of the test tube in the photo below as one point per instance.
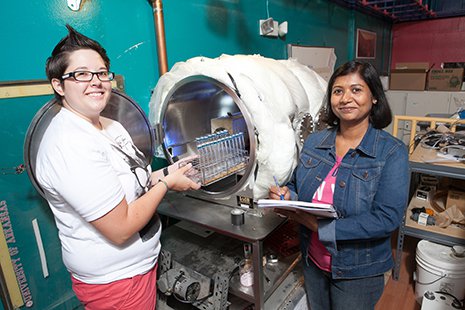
(214, 158)
(236, 148)
(220, 154)
(223, 159)
(230, 151)
(201, 151)
(205, 154)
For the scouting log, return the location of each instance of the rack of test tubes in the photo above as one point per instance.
(220, 155)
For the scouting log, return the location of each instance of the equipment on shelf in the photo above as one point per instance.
(190, 287)
(423, 218)
(457, 151)
(428, 164)
(446, 143)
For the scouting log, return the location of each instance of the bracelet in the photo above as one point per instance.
(166, 184)
(165, 171)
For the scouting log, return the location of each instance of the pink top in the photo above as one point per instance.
(324, 194)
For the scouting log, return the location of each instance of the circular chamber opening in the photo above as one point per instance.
(202, 116)
(120, 108)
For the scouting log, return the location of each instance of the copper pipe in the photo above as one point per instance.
(157, 6)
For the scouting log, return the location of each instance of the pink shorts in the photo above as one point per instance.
(136, 293)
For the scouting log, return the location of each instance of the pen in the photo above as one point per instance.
(281, 196)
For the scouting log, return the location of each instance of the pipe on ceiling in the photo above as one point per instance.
(157, 6)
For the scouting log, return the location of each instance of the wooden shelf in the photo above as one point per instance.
(420, 161)
(427, 156)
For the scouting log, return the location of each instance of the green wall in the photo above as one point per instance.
(30, 29)
(193, 27)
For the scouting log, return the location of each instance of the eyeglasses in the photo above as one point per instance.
(87, 76)
(142, 176)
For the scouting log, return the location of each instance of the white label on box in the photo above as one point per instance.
(423, 219)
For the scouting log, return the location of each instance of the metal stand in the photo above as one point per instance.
(218, 299)
(217, 218)
(443, 236)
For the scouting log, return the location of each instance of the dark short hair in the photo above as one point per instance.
(380, 115)
(59, 60)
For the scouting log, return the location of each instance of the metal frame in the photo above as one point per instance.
(161, 116)
(217, 301)
(120, 107)
(217, 217)
(395, 10)
(425, 168)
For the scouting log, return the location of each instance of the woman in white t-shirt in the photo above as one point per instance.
(103, 196)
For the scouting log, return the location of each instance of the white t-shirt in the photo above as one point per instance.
(84, 177)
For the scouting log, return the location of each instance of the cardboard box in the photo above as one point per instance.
(319, 59)
(455, 197)
(407, 79)
(409, 76)
(412, 65)
(445, 79)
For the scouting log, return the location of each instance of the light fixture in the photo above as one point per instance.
(266, 26)
(282, 29)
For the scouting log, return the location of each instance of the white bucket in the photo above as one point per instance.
(439, 268)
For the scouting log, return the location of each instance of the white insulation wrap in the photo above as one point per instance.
(275, 92)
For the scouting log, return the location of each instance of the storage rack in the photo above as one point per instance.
(418, 165)
(217, 218)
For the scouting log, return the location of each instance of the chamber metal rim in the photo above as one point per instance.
(248, 120)
(29, 139)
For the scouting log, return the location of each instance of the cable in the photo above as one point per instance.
(457, 122)
(267, 9)
(431, 141)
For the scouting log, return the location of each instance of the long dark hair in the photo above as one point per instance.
(380, 115)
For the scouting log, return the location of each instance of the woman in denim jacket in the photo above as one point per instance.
(361, 170)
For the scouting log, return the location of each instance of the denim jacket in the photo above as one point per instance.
(370, 197)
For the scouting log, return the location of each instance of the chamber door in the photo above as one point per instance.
(195, 108)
